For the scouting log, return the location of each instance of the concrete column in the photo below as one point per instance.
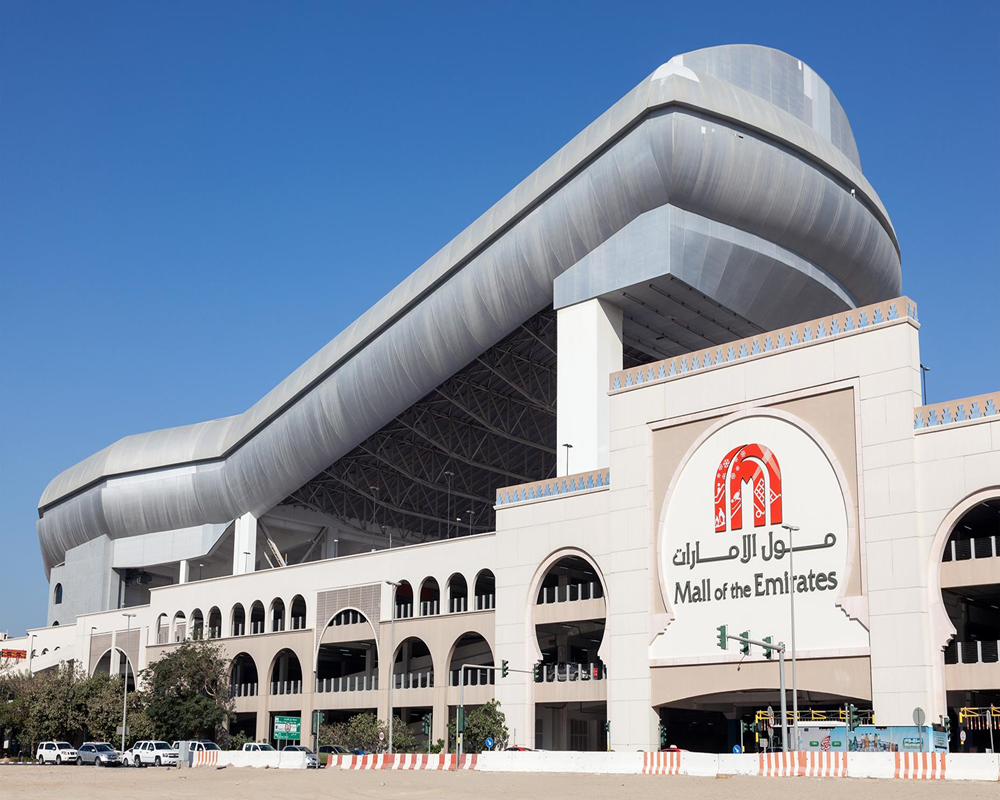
(183, 572)
(245, 541)
(263, 714)
(439, 715)
(589, 341)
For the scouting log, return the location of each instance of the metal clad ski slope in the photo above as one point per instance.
(752, 149)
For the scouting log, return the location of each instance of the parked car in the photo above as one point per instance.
(159, 754)
(197, 746)
(55, 753)
(334, 750)
(519, 749)
(100, 754)
(312, 762)
(257, 747)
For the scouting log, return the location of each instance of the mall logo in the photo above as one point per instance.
(758, 466)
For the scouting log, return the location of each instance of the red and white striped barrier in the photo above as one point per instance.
(776, 765)
(667, 762)
(920, 766)
(405, 761)
(823, 765)
(205, 758)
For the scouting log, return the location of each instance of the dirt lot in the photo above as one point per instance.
(83, 783)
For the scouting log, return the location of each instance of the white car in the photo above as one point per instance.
(159, 754)
(56, 753)
(312, 762)
(257, 747)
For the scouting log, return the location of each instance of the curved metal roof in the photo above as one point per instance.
(789, 184)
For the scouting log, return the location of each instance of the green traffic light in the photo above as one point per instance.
(723, 642)
(768, 653)
(745, 646)
(504, 669)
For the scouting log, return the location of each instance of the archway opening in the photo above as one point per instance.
(486, 587)
(298, 613)
(347, 660)
(115, 662)
(413, 666)
(568, 580)
(243, 679)
(180, 626)
(402, 603)
(214, 623)
(239, 624)
(430, 598)
(257, 617)
(286, 673)
(458, 594)
(277, 614)
(471, 648)
(197, 624)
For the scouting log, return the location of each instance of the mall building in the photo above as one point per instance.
(681, 342)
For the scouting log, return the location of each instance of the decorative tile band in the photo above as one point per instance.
(980, 407)
(554, 487)
(794, 336)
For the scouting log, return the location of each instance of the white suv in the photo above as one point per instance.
(257, 747)
(56, 753)
(159, 754)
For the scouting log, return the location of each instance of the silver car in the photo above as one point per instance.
(100, 754)
(312, 762)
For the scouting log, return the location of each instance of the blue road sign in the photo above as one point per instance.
(737, 749)
(489, 742)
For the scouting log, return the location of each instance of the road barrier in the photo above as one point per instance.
(239, 758)
(404, 761)
(903, 766)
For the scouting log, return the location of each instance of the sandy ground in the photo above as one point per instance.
(83, 783)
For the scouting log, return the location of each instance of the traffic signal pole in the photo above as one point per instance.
(780, 647)
(460, 721)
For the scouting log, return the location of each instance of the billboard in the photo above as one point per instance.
(724, 557)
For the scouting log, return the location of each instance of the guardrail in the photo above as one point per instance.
(570, 593)
(966, 549)
(413, 680)
(473, 677)
(243, 690)
(348, 683)
(286, 687)
(977, 652)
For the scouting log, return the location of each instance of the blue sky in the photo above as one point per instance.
(195, 197)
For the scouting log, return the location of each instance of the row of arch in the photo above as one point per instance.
(429, 600)
(277, 617)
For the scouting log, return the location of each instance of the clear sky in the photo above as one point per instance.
(196, 196)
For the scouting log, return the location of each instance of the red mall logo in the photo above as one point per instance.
(758, 466)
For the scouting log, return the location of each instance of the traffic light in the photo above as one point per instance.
(723, 642)
(946, 722)
(426, 726)
(663, 735)
(745, 646)
(768, 652)
(504, 669)
(607, 726)
(536, 671)
(853, 720)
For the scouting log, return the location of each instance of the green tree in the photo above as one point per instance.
(49, 704)
(362, 732)
(486, 720)
(186, 692)
(100, 699)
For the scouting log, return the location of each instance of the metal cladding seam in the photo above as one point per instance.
(680, 138)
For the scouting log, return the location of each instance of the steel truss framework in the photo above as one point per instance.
(433, 472)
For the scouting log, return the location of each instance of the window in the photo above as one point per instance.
(578, 734)
(58, 595)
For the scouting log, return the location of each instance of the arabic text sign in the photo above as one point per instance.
(16, 655)
(725, 557)
(288, 728)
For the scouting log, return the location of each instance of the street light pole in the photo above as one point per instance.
(568, 448)
(795, 685)
(392, 652)
(31, 651)
(449, 475)
(247, 560)
(128, 630)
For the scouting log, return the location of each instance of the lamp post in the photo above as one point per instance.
(128, 630)
(923, 382)
(791, 596)
(448, 474)
(568, 448)
(392, 653)
(31, 651)
(247, 561)
(469, 512)
(200, 568)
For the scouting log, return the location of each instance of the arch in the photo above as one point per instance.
(214, 623)
(285, 673)
(197, 630)
(402, 600)
(238, 622)
(412, 664)
(162, 629)
(276, 617)
(348, 664)
(571, 577)
(485, 590)
(243, 676)
(257, 618)
(470, 648)
(430, 598)
(125, 667)
(535, 585)
(942, 629)
(297, 613)
(179, 626)
(58, 594)
(458, 593)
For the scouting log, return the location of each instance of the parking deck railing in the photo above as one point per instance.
(473, 677)
(348, 683)
(564, 671)
(570, 593)
(966, 549)
(243, 690)
(977, 652)
(286, 687)
(413, 680)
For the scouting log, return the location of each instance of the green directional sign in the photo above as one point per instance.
(288, 728)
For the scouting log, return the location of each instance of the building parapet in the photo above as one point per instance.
(554, 487)
(967, 409)
(844, 323)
